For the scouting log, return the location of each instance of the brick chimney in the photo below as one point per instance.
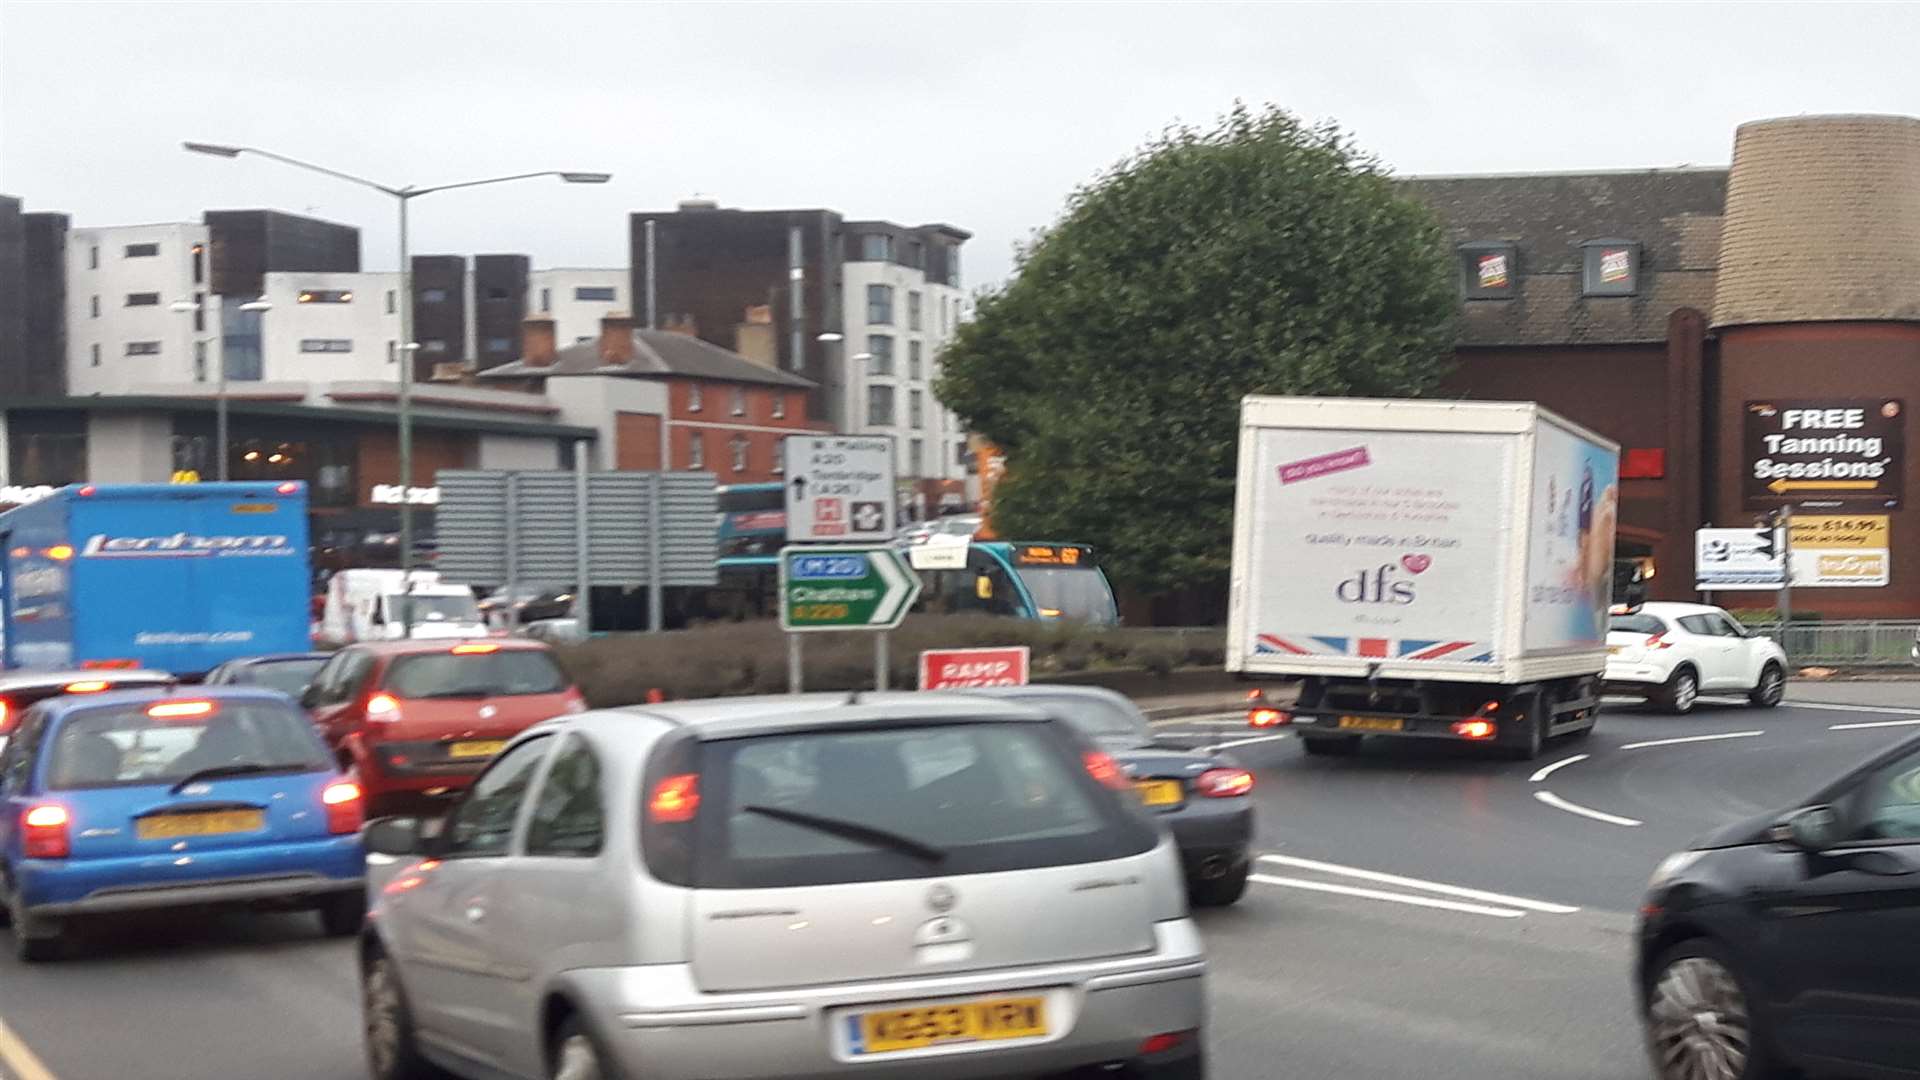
(616, 338)
(538, 347)
(680, 324)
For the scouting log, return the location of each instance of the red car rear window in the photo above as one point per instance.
(506, 673)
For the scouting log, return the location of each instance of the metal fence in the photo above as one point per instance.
(1846, 644)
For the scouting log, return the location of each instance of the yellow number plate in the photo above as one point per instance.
(1372, 723)
(477, 748)
(1159, 792)
(215, 823)
(958, 1022)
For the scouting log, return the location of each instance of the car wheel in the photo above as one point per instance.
(1223, 891)
(1682, 691)
(36, 938)
(577, 1055)
(1330, 745)
(343, 914)
(1699, 1020)
(392, 1052)
(1771, 687)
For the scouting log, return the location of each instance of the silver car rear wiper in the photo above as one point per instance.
(852, 830)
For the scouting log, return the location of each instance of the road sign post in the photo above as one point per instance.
(843, 588)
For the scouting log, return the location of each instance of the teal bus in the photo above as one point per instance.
(1017, 579)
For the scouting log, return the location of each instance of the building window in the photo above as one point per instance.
(953, 274)
(94, 307)
(779, 456)
(199, 264)
(917, 255)
(739, 447)
(142, 299)
(879, 354)
(876, 247)
(95, 357)
(694, 397)
(499, 345)
(1610, 267)
(879, 406)
(434, 345)
(389, 301)
(199, 312)
(602, 293)
(326, 296)
(143, 348)
(696, 451)
(433, 296)
(779, 405)
(326, 345)
(913, 360)
(495, 292)
(880, 305)
(93, 257)
(916, 409)
(960, 456)
(199, 361)
(393, 351)
(913, 310)
(546, 299)
(739, 401)
(142, 251)
(1489, 271)
(915, 458)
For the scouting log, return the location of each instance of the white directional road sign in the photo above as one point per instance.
(839, 488)
(844, 588)
(1739, 559)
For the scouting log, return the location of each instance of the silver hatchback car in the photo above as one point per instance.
(888, 886)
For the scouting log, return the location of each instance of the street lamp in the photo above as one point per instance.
(193, 307)
(403, 196)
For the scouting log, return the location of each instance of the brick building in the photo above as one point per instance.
(1690, 313)
(674, 398)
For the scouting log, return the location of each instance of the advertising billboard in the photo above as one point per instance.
(1824, 455)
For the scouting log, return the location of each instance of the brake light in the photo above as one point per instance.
(1224, 783)
(1659, 641)
(180, 710)
(345, 811)
(6, 716)
(87, 686)
(384, 708)
(1268, 717)
(1163, 1042)
(1475, 729)
(675, 799)
(43, 832)
(472, 647)
(1102, 767)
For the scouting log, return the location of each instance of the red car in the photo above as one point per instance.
(418, 719)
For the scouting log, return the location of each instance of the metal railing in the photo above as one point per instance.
(1846, 644)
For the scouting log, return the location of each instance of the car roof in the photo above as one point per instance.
(40, 680)
(1674, 609)
(415, 646)
(59, 707)
(1052, 690)
(280, 657)
(731, 718)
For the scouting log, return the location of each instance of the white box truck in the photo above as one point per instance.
(1426, 569)
(387, 605)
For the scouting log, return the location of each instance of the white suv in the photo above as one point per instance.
(1672, 653)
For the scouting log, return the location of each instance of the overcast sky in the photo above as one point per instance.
(980, 114)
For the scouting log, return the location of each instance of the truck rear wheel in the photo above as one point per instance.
(1330, 745)
(1532, 737)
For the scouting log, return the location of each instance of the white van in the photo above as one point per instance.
(386, 605)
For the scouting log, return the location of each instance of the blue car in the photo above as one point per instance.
(156, 798)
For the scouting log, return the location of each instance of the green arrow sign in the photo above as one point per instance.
(844, 588)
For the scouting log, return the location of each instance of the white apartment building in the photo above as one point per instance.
(121, 327)
(324, 327)
(577, 299)
(900, 323)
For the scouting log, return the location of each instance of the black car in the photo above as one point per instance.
(1201, 797)
(288, 673)
(1792, 941)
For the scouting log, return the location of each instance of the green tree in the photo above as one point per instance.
(1258, 256)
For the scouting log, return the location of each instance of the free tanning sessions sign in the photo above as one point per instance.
(1824, 454)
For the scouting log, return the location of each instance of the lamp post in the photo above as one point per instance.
(402, 196)
(192, 307)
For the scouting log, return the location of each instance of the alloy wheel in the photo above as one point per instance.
(1773, 686)
(1697, 1024)
(1685, 690)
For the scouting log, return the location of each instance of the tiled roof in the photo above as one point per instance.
(656, 353)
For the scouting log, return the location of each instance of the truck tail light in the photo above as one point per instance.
(43, 832)
(384, 708)
(1266, 716)
(1224, 783)
(346, 810)
(1101, 766)
(1478, 728)
(675, 800)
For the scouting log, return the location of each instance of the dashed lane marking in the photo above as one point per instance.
(1692, 739)
(1559, 803)
(1244, 742)
(1555, 767)
(1872, 724)
(1417, 883)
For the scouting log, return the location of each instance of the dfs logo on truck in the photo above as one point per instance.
(1384, 583)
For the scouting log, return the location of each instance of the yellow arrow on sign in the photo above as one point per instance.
(1781, 487)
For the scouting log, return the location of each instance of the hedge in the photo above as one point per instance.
(751, 658)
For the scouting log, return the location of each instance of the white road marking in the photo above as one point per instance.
(1555, 767)
(1887, 710)
(1872, 724)
(1187, 721)
(1559, 803)
(1397, 898)
(1692, 739)
(1243, 742)
(1417, 883)
(21, 1062)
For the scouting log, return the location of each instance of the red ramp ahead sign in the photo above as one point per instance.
(961, 669)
